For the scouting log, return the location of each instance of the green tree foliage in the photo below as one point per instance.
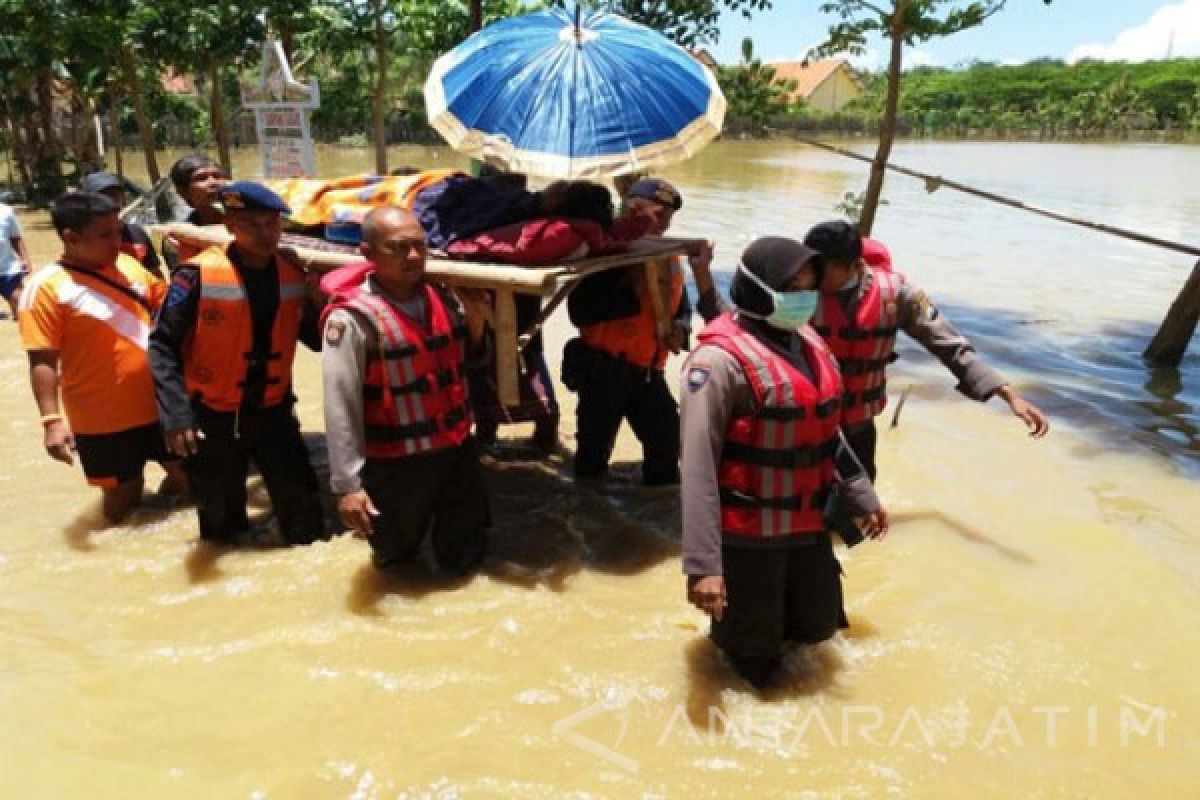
(752, 90)
(687, 22)
(1044, 97)
(902, 22)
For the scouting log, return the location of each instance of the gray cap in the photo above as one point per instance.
(101, 181)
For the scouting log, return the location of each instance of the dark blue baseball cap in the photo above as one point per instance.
(657, 190)
(251, 196)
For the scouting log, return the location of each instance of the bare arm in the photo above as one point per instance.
(43, 378)
(18, 245)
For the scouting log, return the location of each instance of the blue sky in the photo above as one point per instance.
(1133, 30)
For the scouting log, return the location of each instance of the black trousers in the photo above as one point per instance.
(271, 437)
(611, 391)
(862, 438)
(444, 490)
(775, 595)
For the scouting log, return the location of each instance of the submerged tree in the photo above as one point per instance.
(902, 22)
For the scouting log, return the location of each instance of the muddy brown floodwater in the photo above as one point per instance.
(1027, 630)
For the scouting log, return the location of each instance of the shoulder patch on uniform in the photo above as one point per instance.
(697, 376)
(335, 329)
(181, 285)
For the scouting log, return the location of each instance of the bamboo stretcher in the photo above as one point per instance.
(554, 282)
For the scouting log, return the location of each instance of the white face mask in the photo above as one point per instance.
(790, 310)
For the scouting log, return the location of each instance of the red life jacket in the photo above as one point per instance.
(876, 254)
(342, 283)
(414, 393)
(863, 344)
(777, 464)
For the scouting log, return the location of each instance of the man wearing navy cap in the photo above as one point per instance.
(135, 242)
(616, 365)
(222, 355)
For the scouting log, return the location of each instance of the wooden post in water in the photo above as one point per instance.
(1171, 342)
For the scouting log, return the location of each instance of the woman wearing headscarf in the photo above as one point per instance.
(763, 459)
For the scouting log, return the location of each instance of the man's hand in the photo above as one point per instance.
(1027, 412)
(707, 593)
(874, 525)
(477, 307)
(60, 442)
(676, 339)
(184, 442)
(356, 509)
(700, 255)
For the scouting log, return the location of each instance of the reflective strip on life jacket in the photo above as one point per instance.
(220, 350)
(414, 393)
(864, 344)
(634, 339)
(777, 464)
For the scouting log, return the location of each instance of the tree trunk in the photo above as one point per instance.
(1170, 344)
(380, 98)
(887, 126)
(16, 148)
(133, 84)
(18, 122)
(114, 131)
(48, 177)
(87, 152)
(475, 15)
(216, 115)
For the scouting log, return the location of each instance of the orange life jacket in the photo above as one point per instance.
(634, 339)
(414, 392)
(777, 464)
(219, 351)
(864, 344)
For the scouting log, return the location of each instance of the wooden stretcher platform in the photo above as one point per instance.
(554, 281)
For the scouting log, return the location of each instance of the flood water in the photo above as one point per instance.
(1028, 629)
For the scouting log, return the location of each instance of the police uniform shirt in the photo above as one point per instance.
(177, 320)
(348, 339)
(919, 318)
(715, 389)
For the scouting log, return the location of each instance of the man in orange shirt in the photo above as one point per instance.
(85, 321)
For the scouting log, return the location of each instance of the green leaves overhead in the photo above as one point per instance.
(687, 22)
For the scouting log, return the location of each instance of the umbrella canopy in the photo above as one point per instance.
(589, 95)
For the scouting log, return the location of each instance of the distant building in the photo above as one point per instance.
(178, 82)
(823, 85)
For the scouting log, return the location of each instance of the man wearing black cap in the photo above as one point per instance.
(860, 312)
(762, 459)
(616, 364)
(135, 241)
(222, 353)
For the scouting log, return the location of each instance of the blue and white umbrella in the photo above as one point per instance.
(588, 95)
